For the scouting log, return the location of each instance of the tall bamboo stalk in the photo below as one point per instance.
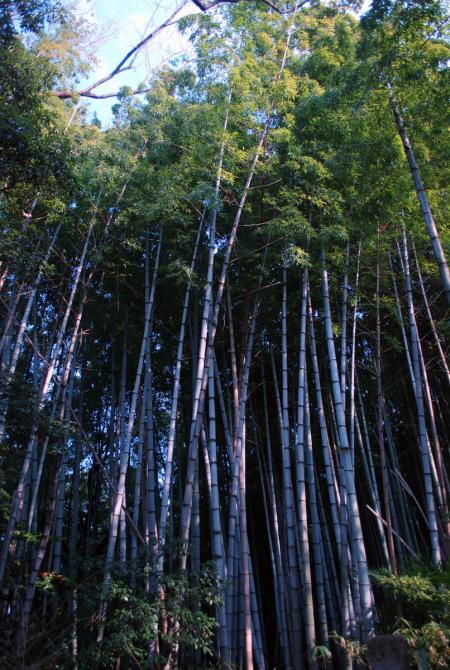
(423, 437)
(300, 449)
(367, 605)
(422, 197)
(380, 431)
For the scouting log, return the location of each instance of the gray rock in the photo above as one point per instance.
(388, 652)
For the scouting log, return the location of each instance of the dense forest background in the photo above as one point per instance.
(225, 407)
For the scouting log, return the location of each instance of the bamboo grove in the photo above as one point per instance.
(224, 385)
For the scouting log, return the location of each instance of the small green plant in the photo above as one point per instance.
(177, 614)
(321, 655)
(353, 648)
(430, 642)
(423, 595)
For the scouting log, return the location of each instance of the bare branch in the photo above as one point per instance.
(123, 65)
(111, 94)
(209, 5)
(436, 30)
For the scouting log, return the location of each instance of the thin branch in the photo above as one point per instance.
(209, 5)
(106, 476)
(433, 32)
(102, 96)
(123, 65)
(400, 539)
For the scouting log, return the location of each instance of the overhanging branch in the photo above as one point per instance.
(126, 63)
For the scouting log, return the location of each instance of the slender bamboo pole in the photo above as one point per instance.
(300, 448)
(22, 330)
(216, 524)
(332, 484)
(245, 558)
(124, 458)
(174, 409)
(199, 399)
(351, 417)
(280, 576)
(315, 528)
(380, 430)
(436, 336)
(344, 307)
(367, 604)
(422, 197)
(423, 437)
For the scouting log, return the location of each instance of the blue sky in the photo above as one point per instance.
(120, 25)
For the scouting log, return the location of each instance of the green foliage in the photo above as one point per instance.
(430, 642)
(30, 15)
(322, 655)
(296, 256)
(354, 649)
(132, 622)
(5, 506)
(51, 581)
(423, 595)
(180, 612)
(177, 615)
(33, 148)
(183, 607)
(69, 45)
